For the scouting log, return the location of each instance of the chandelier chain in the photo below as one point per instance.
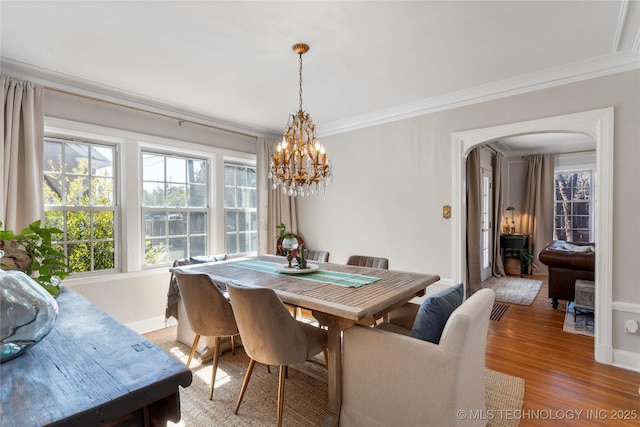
(300, 85)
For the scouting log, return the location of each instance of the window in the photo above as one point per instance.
(174, 207)
(574, 206)
(80, 199)
(240, 202)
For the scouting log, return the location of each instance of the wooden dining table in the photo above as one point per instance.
(344, 306)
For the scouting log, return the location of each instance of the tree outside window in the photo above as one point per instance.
(80, 199)
(573, 217)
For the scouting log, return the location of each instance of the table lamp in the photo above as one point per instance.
(512, 229)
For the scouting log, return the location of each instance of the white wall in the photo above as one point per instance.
(392, 180)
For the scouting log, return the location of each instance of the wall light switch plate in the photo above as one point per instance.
(446, 212)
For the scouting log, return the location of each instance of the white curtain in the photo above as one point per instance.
(22, 152)
(273, 207)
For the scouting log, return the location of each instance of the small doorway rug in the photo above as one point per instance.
(583, 324)
(513, 290)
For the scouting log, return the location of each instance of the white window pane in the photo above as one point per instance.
(76, 158)
(197, 245)
(176, 195)
(197, 222)
(177, 247)
(229, 175)
(197, 171)
(176, 170)
(155, 251)
(52, 156)
(196, 196)
(152, 167)
(101, 161)
(230, 197)
(153, 194)
(102, 192)
(155, 224)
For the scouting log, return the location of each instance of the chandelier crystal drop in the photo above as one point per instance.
(300, 166)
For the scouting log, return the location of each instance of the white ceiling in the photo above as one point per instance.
(230, 62)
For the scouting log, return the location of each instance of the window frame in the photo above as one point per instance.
(69, 136)
(578, 168)
(239, 163)
(130, 145)
(206, 209)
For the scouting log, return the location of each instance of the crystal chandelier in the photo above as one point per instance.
(300, 166)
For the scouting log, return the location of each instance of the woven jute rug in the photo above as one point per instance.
(513, 290)
(305, 400)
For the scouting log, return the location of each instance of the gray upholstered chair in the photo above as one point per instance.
(423, 383)
(368, 261)
(322, 256)
(270, 334)
(208, 311)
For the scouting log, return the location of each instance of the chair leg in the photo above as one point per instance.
(233, 345)
(214, 368)
(245, 383)
(193, 349)
(326, 357)
(283, 374)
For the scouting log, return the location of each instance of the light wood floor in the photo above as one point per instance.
(560, 373)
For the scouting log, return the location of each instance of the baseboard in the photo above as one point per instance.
(626, 360)
(152, 324)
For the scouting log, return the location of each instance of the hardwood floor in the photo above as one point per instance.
(561, 376)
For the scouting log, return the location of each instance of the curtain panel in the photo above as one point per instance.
(22, 152)
(498, 262)
(474, 217)
(273, 207)
(537, 211)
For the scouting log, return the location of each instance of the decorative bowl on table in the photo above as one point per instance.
(295, 270)
(27, 313)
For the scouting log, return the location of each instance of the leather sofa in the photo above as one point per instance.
(567, 263)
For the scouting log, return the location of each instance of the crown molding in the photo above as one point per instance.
(578, 71)
(86, 88)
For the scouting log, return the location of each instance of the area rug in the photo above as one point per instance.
(305, 401)
(513, 290)
(583, 325)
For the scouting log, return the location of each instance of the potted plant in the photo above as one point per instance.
(47, 263)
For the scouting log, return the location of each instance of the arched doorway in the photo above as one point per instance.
(598, 124)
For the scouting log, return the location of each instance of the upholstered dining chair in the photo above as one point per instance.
(208, 311)
(270, 335)
(322, 256)
(368, 261)
(424, 383)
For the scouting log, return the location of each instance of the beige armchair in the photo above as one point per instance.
(270, 334)
(208, 311)
(390, 378)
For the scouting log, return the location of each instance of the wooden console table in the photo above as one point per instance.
(91, 370)
(516, 244)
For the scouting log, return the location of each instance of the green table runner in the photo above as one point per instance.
(326, 276)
